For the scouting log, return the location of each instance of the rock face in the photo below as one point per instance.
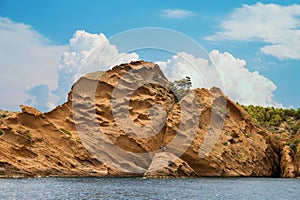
(119, 119)
(166, 165)
(126, 122)
(287, 163)
(290, 157)
(241, 149)
(33, 145)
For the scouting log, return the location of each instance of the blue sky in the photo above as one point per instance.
(213, 24)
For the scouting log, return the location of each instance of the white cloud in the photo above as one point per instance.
(26, 58)
(227, 72)
(276, 25)
(176, 13)
(40, 74)
(31, 67)
(87, 53)
(39, 95)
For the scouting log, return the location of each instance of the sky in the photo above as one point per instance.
(254, 46)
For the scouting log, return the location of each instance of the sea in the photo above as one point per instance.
(139, 188)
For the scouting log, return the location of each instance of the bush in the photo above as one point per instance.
(248, 135)
(1, 132)
(272, 118)
(228, 133)
(225, 143)
(295, 128)
(297, 114)
(181, 87)
(65, 131)
(294, 145)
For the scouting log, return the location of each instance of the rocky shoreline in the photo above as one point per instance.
(35, 144)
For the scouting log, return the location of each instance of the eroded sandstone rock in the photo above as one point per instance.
(167, 165)
(117, 123)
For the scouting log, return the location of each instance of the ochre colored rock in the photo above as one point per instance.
(122, 123)
(239, 148)
(287, 163)
(167, 165)
(30, 110)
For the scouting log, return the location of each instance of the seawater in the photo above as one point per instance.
(138, 188)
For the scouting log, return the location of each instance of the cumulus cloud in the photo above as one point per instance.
(40, 74)
(176, 13)
(198, 69)
(33, 69)
(276, 25)
(39, 95)
(26, 58)
(87, 53)
(225, 71)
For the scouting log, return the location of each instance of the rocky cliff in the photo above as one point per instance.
(128, 122)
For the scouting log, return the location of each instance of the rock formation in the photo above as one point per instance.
(127, 122)
(167, 165)
(290, 157)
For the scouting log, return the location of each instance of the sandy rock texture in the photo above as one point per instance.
(167, 165)
(127, 122)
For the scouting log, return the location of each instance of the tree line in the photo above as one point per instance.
(272, 118)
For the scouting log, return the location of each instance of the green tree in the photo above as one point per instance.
(181, 87)
(297, 114)
(275, 119)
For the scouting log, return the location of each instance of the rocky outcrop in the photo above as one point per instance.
(167, 165)
(127, 122)
(287, 163)
(238, 149)
(49, 144)
(290, 156)
(32, 145)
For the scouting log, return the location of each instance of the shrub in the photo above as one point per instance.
(65, 131)
(295, 128)
(294, 145)
(181, 87)
(276, 137)
(29, 136)
(247, 135)
(78, 141)
(1, 132)
(272, 118)
(228, 133)
(225, 143)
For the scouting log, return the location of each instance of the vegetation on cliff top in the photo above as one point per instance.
(277, 120)
(284, 123)
(4, 114)
(181, 87)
